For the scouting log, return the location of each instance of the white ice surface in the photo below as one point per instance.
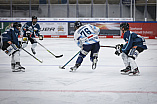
(45, 83)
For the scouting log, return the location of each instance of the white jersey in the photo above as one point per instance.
(87, 34)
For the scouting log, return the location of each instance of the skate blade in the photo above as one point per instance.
(131, 74)
(16, 70)
(19, 70)
(71, 71)
(123, 73)
(22, 70)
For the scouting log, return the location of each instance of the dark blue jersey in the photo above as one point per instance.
(34, 29)
(133, 39)
(11, 35)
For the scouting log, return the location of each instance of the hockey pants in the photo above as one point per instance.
(94, 48)
(129, 59)
(15, 57)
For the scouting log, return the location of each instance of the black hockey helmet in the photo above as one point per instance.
(78, 24)
(34, 21)
(34, 17)
(16, 24)
(124, 25)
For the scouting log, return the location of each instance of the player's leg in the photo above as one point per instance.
(12, 62)
(34, 44)
(16, 59)
(126, 63)
(133, 54)
(94, 54)
(83, 53)
(14, 52)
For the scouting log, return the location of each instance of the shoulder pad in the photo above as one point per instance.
(29, 23)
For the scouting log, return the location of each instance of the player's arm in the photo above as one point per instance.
(9, 37)
(95, 29)
(128, 44)
(24, 29)
(6, 36)
(37, 30)
(77, 39)
(6, 40)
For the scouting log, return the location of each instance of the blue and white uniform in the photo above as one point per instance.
(87, 34)
(87, 39)
(34, 31)
(12, 35)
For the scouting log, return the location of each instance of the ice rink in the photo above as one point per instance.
(45, 83)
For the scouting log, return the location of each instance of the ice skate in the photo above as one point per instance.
(74, 68)
(18, 68)
(126, 70)
(94, 63)
(22, 69)
(135, 72)
(33, 51)
(12, 65)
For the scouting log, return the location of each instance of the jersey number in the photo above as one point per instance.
(85, 32)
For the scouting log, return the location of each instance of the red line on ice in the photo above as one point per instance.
(96, 91)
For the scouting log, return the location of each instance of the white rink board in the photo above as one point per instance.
(47, 84)
(66, 19)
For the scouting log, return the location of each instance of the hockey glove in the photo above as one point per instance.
(28, 33)
(118, 49)
(25, 39)
(20, 44)
(11, 49)
(40, 37)
(35, 29)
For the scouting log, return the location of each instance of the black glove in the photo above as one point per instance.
(20, 44)
(28, 34)
(40, 37)
(118, 49)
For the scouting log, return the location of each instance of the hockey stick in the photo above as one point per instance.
(109, 46)
(62, 67)
(48, 50)
(32, 55)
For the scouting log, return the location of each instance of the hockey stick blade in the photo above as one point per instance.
(61, 67)
(59, 56)
(41, 61)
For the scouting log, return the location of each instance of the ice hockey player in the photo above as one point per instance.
(87, 39)
(11, 46)
(30, 31)
(134, 45)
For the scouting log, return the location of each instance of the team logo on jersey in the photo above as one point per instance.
(60, 28)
